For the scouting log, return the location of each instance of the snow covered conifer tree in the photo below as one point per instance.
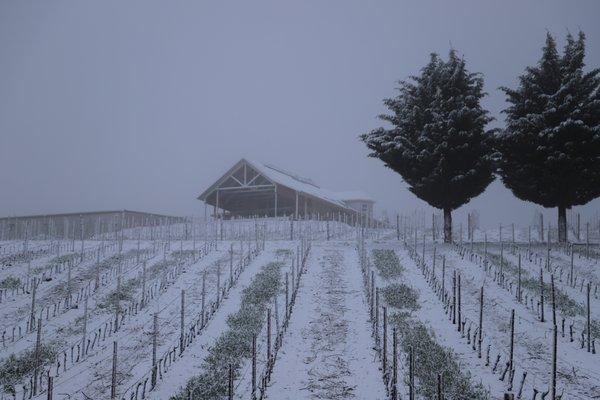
(437, 140)
(551, 146)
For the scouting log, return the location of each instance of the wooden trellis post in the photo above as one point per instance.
(203, 299)
(480, 339)
(144, 283)
(230, 390)
(459, 305)
(154, 349)
(85, 317)
(182, 323)
(38, 344)
(113, 384)
(589, 321)
(32, 316)
(394, 364)
(287, 293)
(512, 340)
(542, 295)
(254, 367)
(454, 297)
(50, 387)
(384, 355)
(443, 277)
(519, 281)
(268, 336)
(411, 374)
(231, 265)
(554, 356)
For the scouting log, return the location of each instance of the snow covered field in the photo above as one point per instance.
(266, 309)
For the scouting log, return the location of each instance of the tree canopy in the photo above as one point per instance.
(550, 150)
(437, 139)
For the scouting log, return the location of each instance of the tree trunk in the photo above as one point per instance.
(447, 225)
(562, 224)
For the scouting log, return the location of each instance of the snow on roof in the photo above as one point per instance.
(296, 182)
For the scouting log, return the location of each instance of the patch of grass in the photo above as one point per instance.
(10, 282)
(16, 367)
(283, 252)
(65, 258)
(183, 254)
(113, 300)
(235, 344)
(507, 266)
(400, 296)
(432, 359)
(387, 263)
(566, 305)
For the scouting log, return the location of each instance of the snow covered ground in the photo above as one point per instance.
(328, 349)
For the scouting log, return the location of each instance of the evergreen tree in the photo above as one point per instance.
(437, 140)
(551, 147)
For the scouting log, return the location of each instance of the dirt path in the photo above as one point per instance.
(327, 353)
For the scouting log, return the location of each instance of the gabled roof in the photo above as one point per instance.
(295, 182)
(288, 179)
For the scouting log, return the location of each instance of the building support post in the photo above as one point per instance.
(275, 191)
(217, 204)
(296, 214)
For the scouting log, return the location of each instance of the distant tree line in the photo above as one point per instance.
(548, 153)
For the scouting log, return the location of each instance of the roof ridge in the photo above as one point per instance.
(292, 175)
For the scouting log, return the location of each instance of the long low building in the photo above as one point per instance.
(71, 224)
(250, 188)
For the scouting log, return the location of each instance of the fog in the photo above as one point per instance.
(142, 105)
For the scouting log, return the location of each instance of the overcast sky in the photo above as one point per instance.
(142, 104)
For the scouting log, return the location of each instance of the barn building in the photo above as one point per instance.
(251, 188)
